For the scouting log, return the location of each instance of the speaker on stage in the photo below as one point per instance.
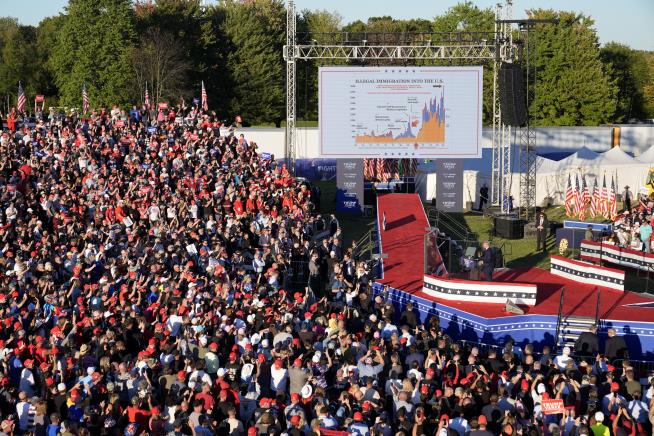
(508, 227)
(512, 95)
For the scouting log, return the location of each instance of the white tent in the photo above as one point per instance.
(647, 157)
(552, 176)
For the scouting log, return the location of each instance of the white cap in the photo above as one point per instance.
(306, 391)
(265, 343)
(255, 339)
(61, 387)
(566, 351)
(203, 340)
(315, 358)
(599, 417)
(241, 331)
(540, 388)
(221, 372)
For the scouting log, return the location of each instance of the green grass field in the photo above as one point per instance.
(517, 252)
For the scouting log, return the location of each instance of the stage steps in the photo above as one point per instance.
(571, 328)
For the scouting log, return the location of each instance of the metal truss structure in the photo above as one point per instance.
(495, 47)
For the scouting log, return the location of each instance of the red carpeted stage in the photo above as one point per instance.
(403, 271)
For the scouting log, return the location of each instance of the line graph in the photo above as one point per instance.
(400, 112)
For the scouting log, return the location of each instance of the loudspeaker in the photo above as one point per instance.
(509, 227)
(512, 95)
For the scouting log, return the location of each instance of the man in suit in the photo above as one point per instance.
(542, 224)
(587, 344)
(488, 261)
(615, 346)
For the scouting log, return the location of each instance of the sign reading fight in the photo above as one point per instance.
(552, 407)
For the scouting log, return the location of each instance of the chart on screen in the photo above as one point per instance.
(400, 112)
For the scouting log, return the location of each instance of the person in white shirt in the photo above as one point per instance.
(22, 410)
(278, 376)
(638, 409)
(561, 361)
(154, 213)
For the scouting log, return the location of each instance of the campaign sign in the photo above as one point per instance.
(119, 123)
(552, 407)
(349, 185)
(163, 105)
(449, 185)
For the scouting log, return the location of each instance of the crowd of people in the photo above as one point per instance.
(633, 227)
(161, 276)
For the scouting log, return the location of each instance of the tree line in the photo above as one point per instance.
(116, 47)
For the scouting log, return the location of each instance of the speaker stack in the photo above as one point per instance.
(512, 95)
(509, 226)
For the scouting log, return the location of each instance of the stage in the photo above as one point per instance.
(632, 314)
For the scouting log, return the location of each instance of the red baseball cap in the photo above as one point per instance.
(295, 419)
(482, 419)
(615, 387)
(358, 416)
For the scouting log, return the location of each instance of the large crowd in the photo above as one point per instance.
(161, 276)
(633, 226)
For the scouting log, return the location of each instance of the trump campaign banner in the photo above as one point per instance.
(449, 185)
(349, 185)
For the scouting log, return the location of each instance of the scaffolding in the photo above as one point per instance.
(496, 47)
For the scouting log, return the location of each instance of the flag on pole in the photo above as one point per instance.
(569, 198)
(604, 199)
(613, 201)
(585, 196)
(578, 196)
(205, 104)
(379, 170)
(20, 104)
(85, 100)
(147, 96)
(594, 201)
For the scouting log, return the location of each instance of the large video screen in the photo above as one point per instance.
(400, 112)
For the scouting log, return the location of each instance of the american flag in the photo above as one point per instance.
(585, 196)
(380, 170)
(595, 203)
(613, 201)
(579, 197)
(569, 198)
(21, 98)
(147, 97)
(205, 104)
(604, 199)
(85, 99)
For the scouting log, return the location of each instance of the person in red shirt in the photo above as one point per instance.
(206, 397)
(136, 413)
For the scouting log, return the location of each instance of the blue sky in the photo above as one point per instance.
(627, 21)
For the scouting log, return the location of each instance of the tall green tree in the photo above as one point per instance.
(573, 86)
(94, 47)
(468, 17)
(17, 63)
(256, 32)
(629, 69)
